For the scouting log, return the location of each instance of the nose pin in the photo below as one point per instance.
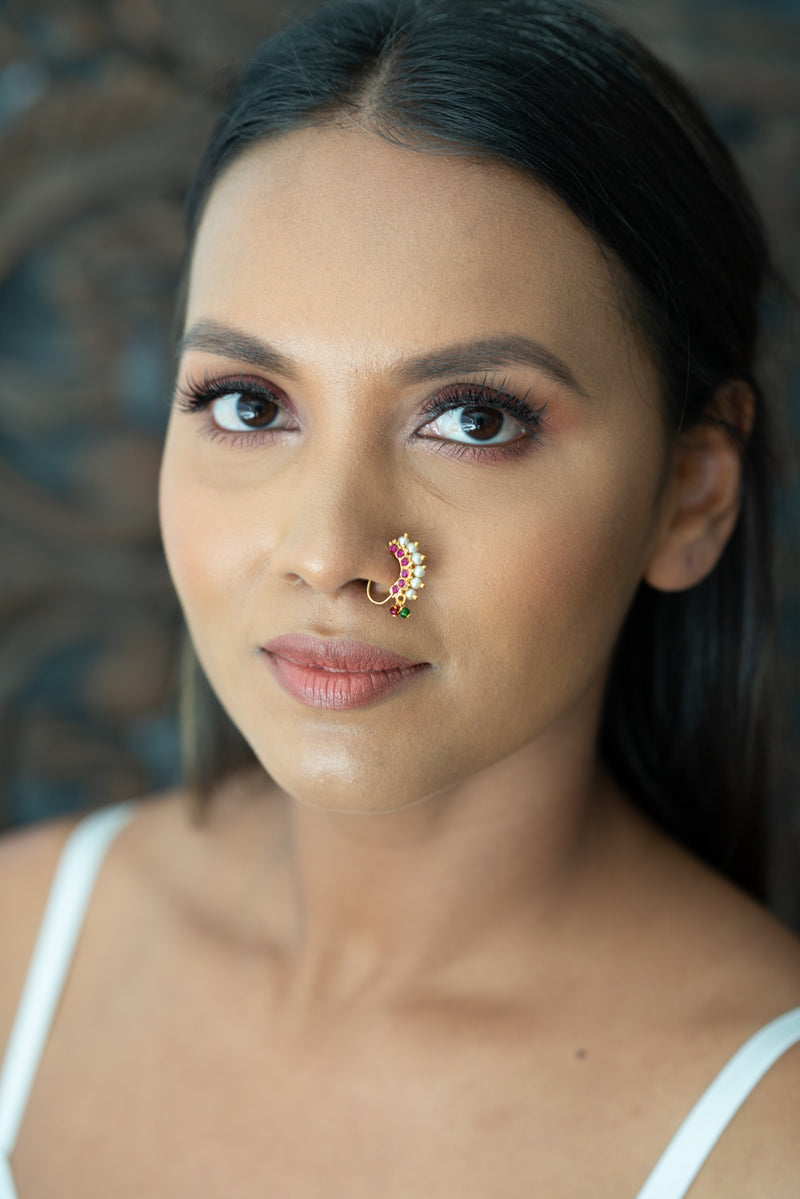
(410, 580)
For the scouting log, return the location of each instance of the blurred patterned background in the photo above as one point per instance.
(105, 106)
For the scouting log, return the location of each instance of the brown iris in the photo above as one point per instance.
(483, 423)
(255, 412)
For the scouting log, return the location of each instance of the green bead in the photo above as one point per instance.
(405, 611)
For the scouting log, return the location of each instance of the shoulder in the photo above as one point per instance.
(28, 860)
(758, 1152)
(735, 968)
(163, 867)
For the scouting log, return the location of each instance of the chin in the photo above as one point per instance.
(335, 783)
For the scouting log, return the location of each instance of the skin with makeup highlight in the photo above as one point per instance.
(440, 903)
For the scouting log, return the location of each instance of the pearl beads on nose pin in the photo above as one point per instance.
(410, 580)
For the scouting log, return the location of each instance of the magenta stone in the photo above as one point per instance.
(404, 574)
(395, 589)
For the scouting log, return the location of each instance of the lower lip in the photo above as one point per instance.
(339, 690)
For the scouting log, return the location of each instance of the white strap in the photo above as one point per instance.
(70, 892)
(683, 1158)
(7, 1188)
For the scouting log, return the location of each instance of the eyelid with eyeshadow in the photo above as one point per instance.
(197, 395)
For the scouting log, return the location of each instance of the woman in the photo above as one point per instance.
(465, 496)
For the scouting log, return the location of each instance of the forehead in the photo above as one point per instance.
(341, 245)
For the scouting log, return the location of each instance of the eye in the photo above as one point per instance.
(237, 411)
(476, 424)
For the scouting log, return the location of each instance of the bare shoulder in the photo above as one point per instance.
(735, 968)
(759, 1152)
(166, 860)
(28, 859)
(159, 866)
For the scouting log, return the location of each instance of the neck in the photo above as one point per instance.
(448, 891)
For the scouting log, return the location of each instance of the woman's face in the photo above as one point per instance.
(373, 272)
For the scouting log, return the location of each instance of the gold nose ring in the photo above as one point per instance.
(409, 582)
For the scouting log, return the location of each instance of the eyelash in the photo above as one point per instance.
(197, 396)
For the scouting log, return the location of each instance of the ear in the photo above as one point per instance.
(703, 495)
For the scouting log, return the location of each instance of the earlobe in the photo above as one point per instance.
(703, 496)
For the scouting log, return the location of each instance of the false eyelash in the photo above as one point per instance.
(197, 395)
(504, 398)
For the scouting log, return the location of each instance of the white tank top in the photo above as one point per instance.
(68, 900)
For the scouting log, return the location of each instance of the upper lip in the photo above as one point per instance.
(351, 656)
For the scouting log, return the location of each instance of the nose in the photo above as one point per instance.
(337, 512)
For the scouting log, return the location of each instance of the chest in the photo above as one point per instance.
(164, 1107)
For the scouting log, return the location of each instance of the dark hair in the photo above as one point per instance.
(556, 90)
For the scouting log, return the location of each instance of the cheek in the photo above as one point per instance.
(544, 615)
(202, 544)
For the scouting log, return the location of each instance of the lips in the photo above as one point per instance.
(337, 674)
(351, 656)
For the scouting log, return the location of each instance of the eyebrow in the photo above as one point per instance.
(484, 354)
